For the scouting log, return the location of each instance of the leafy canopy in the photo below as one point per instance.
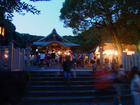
(116, 15)
(8, 7)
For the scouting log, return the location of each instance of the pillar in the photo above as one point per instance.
(101, 56)
(133, 60)
(22, 59)
(28, 56)
(129, 62)
(136, 58)
(10, 58)
(124, 60)
(89, 63)
(2, 51)
(126, 63)
(18, 58)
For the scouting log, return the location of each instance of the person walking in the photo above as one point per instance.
(134, 77)
(42, 56)
(67, 65)
(117, 82)
(47, 58)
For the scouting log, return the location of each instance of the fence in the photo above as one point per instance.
(15, 58)
(130, 60)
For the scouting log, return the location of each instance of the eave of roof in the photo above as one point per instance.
(67, 44)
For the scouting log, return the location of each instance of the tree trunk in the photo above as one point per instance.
(118, 46)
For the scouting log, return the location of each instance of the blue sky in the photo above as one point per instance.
(44, 23)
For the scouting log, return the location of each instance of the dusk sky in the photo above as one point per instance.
(44, 23)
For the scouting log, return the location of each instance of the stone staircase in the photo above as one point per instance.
(47, 88)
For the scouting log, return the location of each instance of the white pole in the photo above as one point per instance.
(18, 58)
(133, 60)
(22, 58)
(126, 63)
(136, 58)
(124, 60)
(129, 62)
(28, 56)
(10, 59)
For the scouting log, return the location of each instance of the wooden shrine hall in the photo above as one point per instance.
(53, 42)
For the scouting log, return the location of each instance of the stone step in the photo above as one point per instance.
(43, 72)
(72, 98)
(90, 82)
(54, 93)
(62, 82)
(61, 78)
(62, 87)
(69, 87)
(47, 87)
(52, 73)
(61, 74)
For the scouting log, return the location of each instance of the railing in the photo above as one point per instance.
(15, 58)
(130, 60)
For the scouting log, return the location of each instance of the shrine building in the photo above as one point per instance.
(54, 42)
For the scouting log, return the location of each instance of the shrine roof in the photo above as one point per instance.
(49, 42)
(54, 37)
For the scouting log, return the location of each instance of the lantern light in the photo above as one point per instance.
(2, 30)
(36, 50)
(59, 52)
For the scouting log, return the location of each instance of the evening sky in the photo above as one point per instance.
(44, 23)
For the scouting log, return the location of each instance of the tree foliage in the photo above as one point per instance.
(8, 7)
(119, 19)
(86, 40)
(83, 14)
(27, 38)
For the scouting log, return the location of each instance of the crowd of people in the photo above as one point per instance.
(46, 59)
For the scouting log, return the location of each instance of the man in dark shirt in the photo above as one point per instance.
(67, 65)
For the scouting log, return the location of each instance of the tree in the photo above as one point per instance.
(118, 18)
(8, 7)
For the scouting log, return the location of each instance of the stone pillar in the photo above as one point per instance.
(22, 58)
(136, 59)
(89, 63)
(101, 56)
(124, 60)
(129, 62)
(10, 58)
(126, 63)
(2, 51)
(28, 56)
(133, 60)
(18, 58)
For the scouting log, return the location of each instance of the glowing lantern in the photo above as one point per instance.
(2, 30)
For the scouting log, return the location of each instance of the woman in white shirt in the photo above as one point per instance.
(134, 77)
